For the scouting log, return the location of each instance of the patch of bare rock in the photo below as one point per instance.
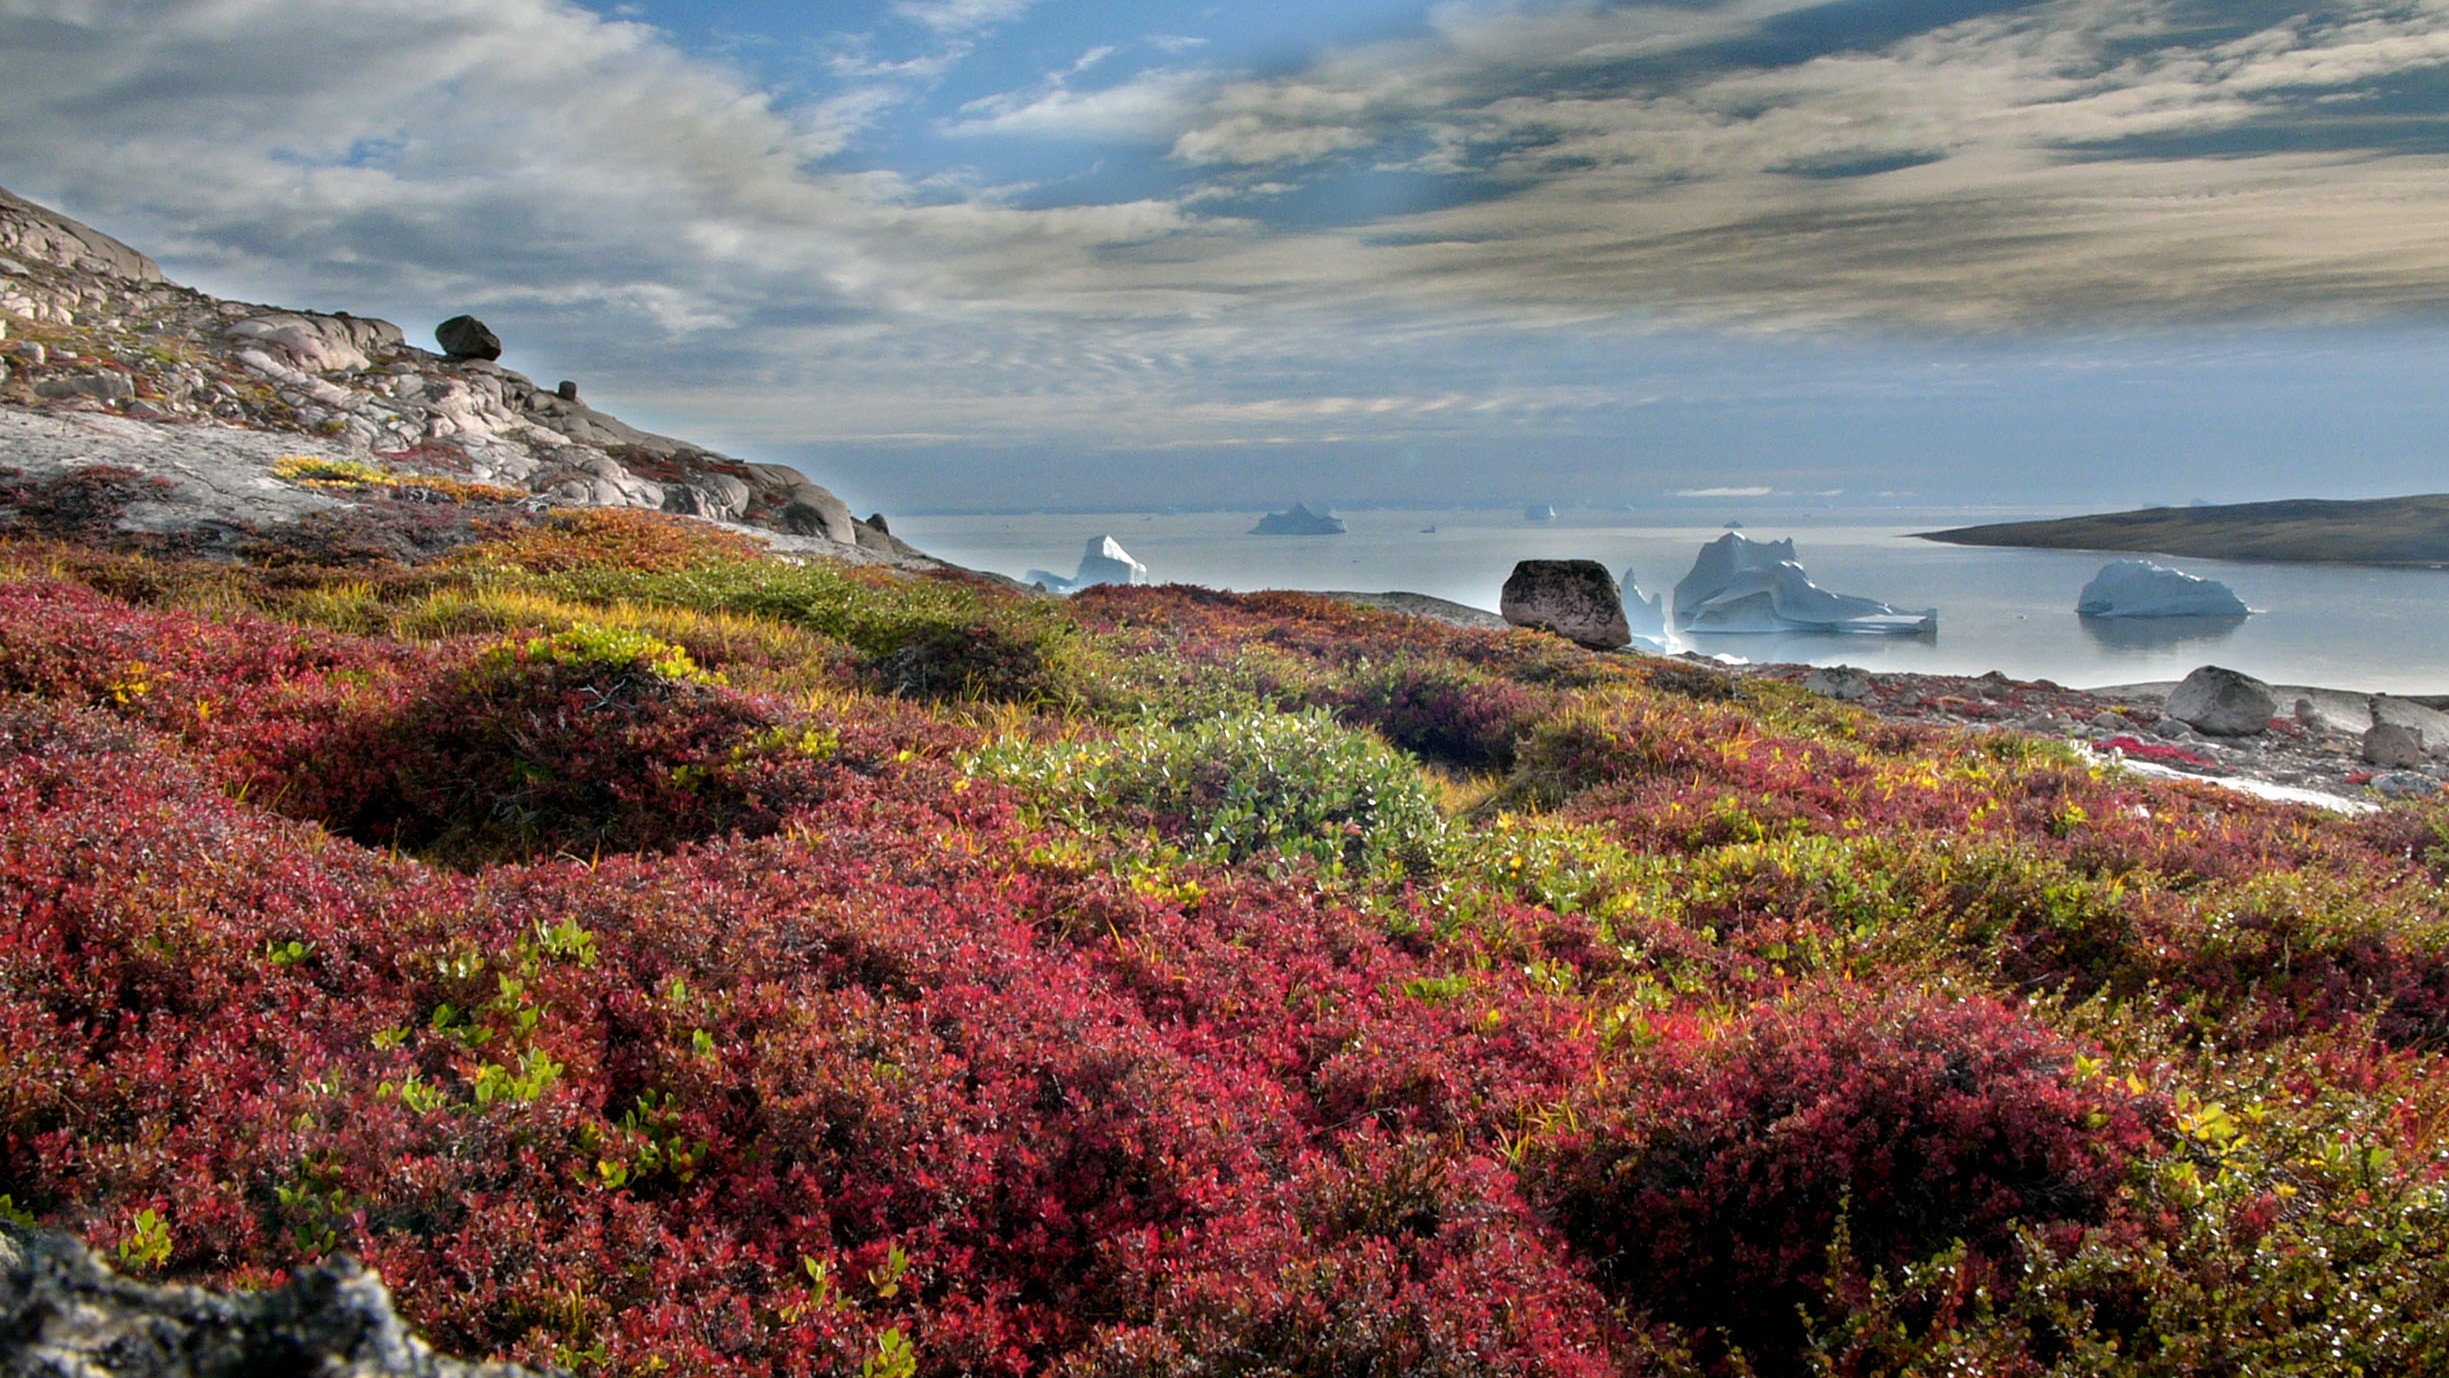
(63, 1314)
(94, 342)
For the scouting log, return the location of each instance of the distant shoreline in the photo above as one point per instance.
(2408, 532)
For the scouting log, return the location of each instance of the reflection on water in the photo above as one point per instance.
(1802, 647)
(2158, 633)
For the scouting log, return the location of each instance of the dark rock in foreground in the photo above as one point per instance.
(64, 1315)
(1576, 599)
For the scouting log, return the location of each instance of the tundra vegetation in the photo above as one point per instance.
(655, 957)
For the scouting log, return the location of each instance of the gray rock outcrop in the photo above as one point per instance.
(1576, 599)
(465, 337)
(2220, 702)
(65, 1315)
(36, 234)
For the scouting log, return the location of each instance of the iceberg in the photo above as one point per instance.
(1298, 521)
(1743, 586)
(2140, 588)
(1646, 616)
(1103, 562)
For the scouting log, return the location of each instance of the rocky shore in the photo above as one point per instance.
(2316, 746)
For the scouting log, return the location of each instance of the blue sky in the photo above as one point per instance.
(1019, 253)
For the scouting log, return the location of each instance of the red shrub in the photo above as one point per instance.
(1711, 1177)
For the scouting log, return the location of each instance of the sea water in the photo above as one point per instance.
(2346, 626)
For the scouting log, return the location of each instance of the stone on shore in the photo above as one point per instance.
(1844, 683)
(2219, 702)
(2393, 746)
(1576, 599)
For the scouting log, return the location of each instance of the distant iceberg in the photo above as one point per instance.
(1298, 521)
(1646, 616)
(1743, 586)
(2140, 588)
(1103, 562)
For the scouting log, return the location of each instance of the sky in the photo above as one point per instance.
(1023, 254)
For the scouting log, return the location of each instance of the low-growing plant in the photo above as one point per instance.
(1236, 786)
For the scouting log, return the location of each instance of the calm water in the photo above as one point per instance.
(2381, 630)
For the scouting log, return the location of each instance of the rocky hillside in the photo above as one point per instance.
(93, 337)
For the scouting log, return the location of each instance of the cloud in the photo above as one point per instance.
(2028, 166)
(961, 16)
(1141, 109)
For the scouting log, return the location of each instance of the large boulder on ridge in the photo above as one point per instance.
(2220, 702)
(465, 337)
(1576, 599)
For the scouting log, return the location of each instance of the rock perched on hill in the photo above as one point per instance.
(465, 337)
(2223, 703)
(1576, 599)
(64, 1315)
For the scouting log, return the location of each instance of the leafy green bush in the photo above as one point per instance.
(1240, 785)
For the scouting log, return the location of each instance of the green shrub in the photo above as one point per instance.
(1242, 785)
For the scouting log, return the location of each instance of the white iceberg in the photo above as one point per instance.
(1645, 615)
(2139, 588)
(1743, 586)
(1103, 562)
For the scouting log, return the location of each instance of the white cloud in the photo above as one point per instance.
(961, 16)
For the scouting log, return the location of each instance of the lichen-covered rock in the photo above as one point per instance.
(1576, 599)
(64, 1315)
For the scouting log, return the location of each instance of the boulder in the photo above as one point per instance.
(2393, 746)
(2140, 588)
(105, 385)
(2430, 725)
(1841, 682)
(63, 1314)
(465, 337)
(1576, 599)
(2404, 784)
(2223, 703)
